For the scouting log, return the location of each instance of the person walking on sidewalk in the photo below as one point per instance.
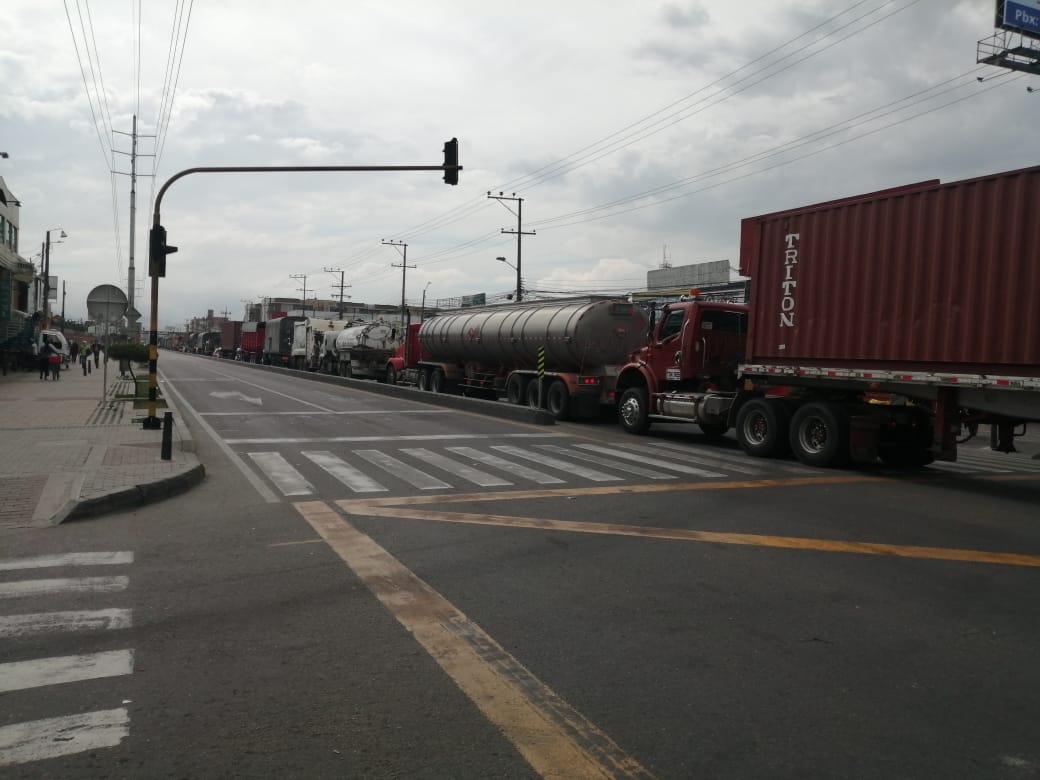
(41, 360)
(74, 352)
(84, 361)
(54, 360)
(96, 350)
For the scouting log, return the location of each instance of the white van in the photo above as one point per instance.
(57, 338)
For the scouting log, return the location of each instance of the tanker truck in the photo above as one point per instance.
(360, 350)
(309, 339)
(561, 355)
(882, 327)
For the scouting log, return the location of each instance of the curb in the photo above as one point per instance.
(139, 495)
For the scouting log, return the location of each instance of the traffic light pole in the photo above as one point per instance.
(157, 248)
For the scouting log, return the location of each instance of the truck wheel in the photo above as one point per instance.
(348, 369)
(820, 435)
(391, 375)
(516, 389)
(763, 428)
(424, 379)
(634, 410)
(437, 381)
(531, 394)
(558, 400)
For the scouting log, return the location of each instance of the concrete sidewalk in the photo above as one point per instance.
(76, 447)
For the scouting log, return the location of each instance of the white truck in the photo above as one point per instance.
(308, 341)
(360, 350)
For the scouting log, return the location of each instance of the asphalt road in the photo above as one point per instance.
(366, 586)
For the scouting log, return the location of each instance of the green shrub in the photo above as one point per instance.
(136, 353)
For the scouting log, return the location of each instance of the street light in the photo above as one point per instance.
(47, 274)
(422, 311)
(517, 269)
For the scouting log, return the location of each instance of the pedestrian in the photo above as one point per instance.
(74, 352)
(84, 361)
(96, 350)
(41, 360)
(54, 360)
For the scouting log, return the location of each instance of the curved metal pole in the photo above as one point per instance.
(152, 421)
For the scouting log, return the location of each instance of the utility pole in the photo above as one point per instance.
(63, 305)
(303, 306)
(519, 232)
(131, 279)
(341, 287)
(403, 249)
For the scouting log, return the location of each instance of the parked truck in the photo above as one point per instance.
(278, 340)
(562, 355)
(885, 326)
(230, 338)
(309, 339)
(251, 347)
(360, 350)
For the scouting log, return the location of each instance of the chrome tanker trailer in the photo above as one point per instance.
(561, 355)
(360, 351)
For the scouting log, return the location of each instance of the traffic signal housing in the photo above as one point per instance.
(451, 161)
(157, 251)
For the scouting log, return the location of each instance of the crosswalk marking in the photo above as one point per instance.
(663, 464)
(48, 587)
(53, 622)
(68, 559)
(412, 476)
(628, 469)
(468, 473)
(545, 460)
(557, 465)
(508, 466)
(281, 472)
(64, 736)
(353, 478)
(39, 672)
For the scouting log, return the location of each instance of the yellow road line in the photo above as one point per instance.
(687, 535)
(604, 490)
(556, 740)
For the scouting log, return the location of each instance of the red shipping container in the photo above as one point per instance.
(931, 277)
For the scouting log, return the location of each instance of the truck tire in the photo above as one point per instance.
(763, 428)
(516, 389)
(391, 375)
(348, 369)
(820, 435)
(424, 379)
(558, 400)
(437, 381)
(634, 410)
(531, 394)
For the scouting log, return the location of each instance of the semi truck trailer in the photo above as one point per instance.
(360, 351)
(887, 326)
(561, 355)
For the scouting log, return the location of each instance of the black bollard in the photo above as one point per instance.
(167, 436)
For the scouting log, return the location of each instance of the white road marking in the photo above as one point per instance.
(705, 459)
(604, 461)
(725, 457)
(236, 394)
(466, 472)
(64, 736)
(662, 464)
(508, 466)
(53, 622)
(69, 559)
(28, 588)
(412, 476)
(354, 479)
(428, 437)
(314, 413)
(40, 672)
(562, 465)
(286, 478)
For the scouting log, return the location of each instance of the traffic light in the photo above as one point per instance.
(157, 251)
(451, 161)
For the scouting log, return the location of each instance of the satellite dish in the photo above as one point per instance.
(106, 303)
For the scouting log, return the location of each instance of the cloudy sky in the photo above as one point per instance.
(635, 133)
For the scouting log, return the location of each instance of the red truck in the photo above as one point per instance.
(252, 344)
(885, 326)
(230, 338)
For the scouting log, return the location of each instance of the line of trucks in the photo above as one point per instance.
(883, 327)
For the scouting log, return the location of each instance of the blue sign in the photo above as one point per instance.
(1020, 15)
